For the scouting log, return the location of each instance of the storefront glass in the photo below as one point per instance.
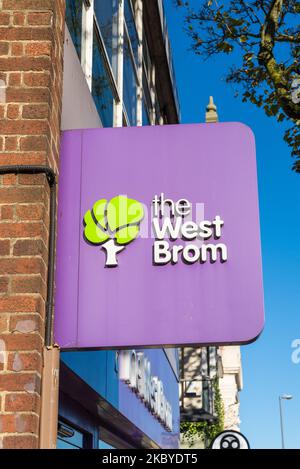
(74, 22)
(129, 84)
(101, 88)
(106, 15)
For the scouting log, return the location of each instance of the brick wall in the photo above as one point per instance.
(31, 48)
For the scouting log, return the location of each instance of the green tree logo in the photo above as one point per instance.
(113, 225)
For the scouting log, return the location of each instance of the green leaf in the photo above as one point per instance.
(128, 234)
(118, 219)
(92, 232)
(122, 211)
(99, 212)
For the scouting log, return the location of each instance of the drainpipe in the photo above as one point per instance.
(50, 373)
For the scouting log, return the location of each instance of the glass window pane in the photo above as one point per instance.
(68, 437)
(104, 445)
(106, 14)
(101, 88)
(147, 58)
(147, 103)
(74, 22)
(157, 111)
(129, 84)
(145, 114)
(132, 32)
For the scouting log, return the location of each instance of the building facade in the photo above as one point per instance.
(71, 64)
(231, 383)
(210, 382)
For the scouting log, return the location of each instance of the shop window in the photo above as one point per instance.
(158, 116)
(131, 28)
(147, 102)
(74, 22)
(147, 58)
(104, 445)
(129, 84)
(145, 114)
(106, 15)
(101, 86)
(68, 437)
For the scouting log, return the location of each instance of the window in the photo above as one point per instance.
(129, 84)
(74, 22)
(106, 15)
(68, 437)
(147, 58)
(101, 88)
(131, 29)
(97, 34)
(147, 102)
(145, 114)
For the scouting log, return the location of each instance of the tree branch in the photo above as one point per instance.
(266, 59)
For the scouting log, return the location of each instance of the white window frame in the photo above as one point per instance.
(91, 24)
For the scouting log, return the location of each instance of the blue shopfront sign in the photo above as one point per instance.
(146, 393)
(149, 394)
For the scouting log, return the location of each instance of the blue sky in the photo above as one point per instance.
(267, 366)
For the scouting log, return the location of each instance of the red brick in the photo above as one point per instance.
(18, 423)
(3, 286)
(26, 34)
(21, 195)
(7, 212)
(4, 247)
(11, 144)
(37, 49)
(23, 127)
(4, 18)
(20, 442)
(28, 4)
(37, 157)
(16, 49)
(24, 361)
(32, 265)
(20, 304)
(21, 230)
(13, 111)
(15, 64)
(28, 247)
(32, 179)
(25, 323)
(4, 47)
(3, 77)
(28, 284)
(9, 179)
(35, 111)
(15, 79)
(7, 423)
(19, 342)
(31, 143)
(21, 402)
(33, 79)
(19, 18)
(3, 317)
(29, 382)
(39, 19)
(30, 212)
(35, 83)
